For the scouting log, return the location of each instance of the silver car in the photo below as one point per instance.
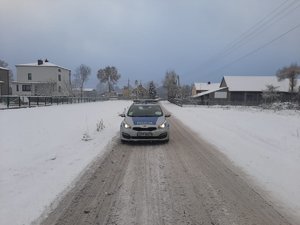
(144, 121)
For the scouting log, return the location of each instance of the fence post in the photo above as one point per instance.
(19, 102)
(29, 99)
(7, 101)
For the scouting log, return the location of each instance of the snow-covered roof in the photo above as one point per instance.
(256, 83)
(84, 89)
(208, 92)
(88, 89)
(206, 86)
(44, 64)
(2, 68)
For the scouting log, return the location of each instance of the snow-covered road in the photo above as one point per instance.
(265, 144)
(42, 152)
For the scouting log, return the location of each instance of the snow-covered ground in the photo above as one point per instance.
(42, 152)
(264, 143)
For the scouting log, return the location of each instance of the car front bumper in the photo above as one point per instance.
(133, 135)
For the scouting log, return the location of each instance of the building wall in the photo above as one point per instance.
(49, 74)
(4, 76)
(194, 91)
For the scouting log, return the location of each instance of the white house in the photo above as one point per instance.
(42, 79)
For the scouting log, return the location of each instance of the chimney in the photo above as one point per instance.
(40, 62)
(46, 60)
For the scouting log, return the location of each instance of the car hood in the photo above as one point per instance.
(145, 120)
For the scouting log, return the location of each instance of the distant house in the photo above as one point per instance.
(42, 79)
(126, 92)
(202, 87)
(243, 90)
(4, 81)
(140, 92)
(86, 92)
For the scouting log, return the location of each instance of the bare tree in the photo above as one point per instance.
(186, 91)
(5, 65)
(81, 76)
(171, 83)
(291, 73)
(109, 75)
(270, 94)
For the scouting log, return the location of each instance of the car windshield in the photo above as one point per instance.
(145, 111)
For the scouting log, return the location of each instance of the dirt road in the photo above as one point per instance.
(183, 182)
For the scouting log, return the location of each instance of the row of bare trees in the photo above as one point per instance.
(109, 75)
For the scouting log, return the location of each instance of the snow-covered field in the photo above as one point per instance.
(264, 143)
(41, 153)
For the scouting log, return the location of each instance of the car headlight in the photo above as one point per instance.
(126, 125)
(163, 125)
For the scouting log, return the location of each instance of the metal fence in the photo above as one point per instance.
(191, 101)
(9, 101)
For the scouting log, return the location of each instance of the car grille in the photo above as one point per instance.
(144, 128)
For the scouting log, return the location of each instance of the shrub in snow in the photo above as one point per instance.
(100, 125)
(86, 137)
(281, 106)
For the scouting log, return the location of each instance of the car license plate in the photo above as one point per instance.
(144, 134)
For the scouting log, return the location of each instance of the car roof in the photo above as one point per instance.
(145, 101)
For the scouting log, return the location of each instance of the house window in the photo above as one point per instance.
(59, 89)
(17, 87)
(26, 87)
(59, 70)
(29, 76)
(59, 77)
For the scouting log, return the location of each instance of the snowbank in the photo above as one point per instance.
(42, 152)
(264, 143)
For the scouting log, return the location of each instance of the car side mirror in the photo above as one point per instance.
(122, 114)
(167, 115)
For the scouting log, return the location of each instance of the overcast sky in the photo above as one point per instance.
(145, 38)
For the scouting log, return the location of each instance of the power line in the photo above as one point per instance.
(262, 25)
(261, 28)
(257, 49)
(253, 28)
